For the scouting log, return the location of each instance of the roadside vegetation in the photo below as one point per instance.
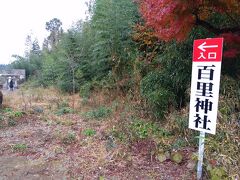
(112, 77)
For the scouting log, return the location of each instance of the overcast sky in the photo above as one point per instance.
(18, 18)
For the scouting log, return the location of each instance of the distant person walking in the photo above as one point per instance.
(11, 85)
(1, 99)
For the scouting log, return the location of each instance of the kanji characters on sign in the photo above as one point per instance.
(206, 70)
(204, 103)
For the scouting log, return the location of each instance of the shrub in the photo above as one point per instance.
(141, 129)
(1, 121)
(99, 113)
(182, 124)
(11, 122)
(159, 101)
(19, 147)
(85, 90)
(69, 138)
(62, 104)
(64, 110)
(179, 143)
(158, 97)
(66, 122)
(18, 114)
(14, 114)
(65, 85)
(89, 132)
(119, 134)
(7, 110)
(217, 173)
(230, 90)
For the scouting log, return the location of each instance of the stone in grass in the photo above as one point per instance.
(191, 164)
(38, 109)
(176, 157)
(163, 156)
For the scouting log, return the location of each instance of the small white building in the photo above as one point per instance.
(17, 75)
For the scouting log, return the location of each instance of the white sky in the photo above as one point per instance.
(18, 18)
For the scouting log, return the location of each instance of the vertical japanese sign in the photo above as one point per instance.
(206, 70)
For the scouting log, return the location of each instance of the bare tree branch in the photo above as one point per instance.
(215, 30)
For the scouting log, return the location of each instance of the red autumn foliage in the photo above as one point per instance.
(162, 16)
(233, 43)
(174, 19)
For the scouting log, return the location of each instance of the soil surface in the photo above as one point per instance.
(39, 147)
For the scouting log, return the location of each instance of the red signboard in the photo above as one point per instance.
(207, 50)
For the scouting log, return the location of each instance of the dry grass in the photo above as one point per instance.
(26, 98)
(89, 155)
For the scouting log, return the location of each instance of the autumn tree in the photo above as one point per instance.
(175, 19)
